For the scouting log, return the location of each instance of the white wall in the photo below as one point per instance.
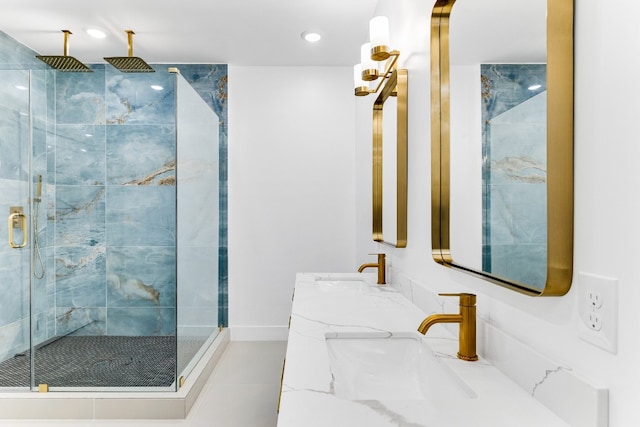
(291, 188)
(289, 127)
(607, 204)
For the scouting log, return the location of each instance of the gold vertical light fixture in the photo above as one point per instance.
(377, 59)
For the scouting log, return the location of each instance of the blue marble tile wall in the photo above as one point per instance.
(108, 198)
(115, 203)
(514, 173)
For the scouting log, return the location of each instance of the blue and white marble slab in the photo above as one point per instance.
(80, 97)
(80, 321)
(132, 99)
(80, 272)
(79, 215)
(14, 144)
(14, 55)
(14, 90)
(141, 155)
(141, 321)
(15, 295)
(141, 216)
(80, 155)
(141, 276)
(14, 338)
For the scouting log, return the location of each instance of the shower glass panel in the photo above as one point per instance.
(198, 222)
(99, 172)
(15, 136)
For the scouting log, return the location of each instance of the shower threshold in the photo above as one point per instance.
(115, 404)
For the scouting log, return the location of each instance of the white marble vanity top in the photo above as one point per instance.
(325, 307)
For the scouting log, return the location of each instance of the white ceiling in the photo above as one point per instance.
(239, 32)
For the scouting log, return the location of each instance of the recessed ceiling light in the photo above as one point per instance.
(311, 36)
(95, 32)
(534, 87)
(156, 87)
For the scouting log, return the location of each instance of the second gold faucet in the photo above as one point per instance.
(381, 265)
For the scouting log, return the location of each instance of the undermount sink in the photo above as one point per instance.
(345, 285)
(390, 366)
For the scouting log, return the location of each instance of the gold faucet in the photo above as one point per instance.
(380, 265)
(467, 320)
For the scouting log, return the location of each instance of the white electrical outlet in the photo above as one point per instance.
(594, 321)
(594, 298)
(598, 310)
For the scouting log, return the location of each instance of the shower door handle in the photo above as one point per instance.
(17, 219)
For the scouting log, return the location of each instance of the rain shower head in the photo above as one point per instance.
(65, 62)
(130, 63)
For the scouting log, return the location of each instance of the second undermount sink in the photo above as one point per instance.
(386, 366)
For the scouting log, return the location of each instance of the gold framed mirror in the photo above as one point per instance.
(390, 162)
(452, 209)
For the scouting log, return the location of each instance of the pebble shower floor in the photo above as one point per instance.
(96, 361)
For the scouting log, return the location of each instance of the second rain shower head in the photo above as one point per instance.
(130, 63)
(65, 62)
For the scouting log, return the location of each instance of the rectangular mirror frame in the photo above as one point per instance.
(559, 149)
(395, 86)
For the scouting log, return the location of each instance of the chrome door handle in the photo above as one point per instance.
(17, 219)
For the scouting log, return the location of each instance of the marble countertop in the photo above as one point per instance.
(308, 399)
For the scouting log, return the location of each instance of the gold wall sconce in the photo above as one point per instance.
(378, 63)
(377, 59)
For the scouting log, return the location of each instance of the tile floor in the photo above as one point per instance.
(241, 392)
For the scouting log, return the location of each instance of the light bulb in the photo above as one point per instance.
(379, 37)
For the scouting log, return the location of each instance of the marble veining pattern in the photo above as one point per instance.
(141, 155)
(545, 380)
(141, 216)
(14, 93)
(547, 374)
(15, 298)
(80, 276)
(79, 215)
(80, 97)
(141, 276)
(16, 56)
(131, 98)
(80, 321)
(80, 155)
(14, 140)
(307, 397)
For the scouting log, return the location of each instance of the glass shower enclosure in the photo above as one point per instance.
(109, 253)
